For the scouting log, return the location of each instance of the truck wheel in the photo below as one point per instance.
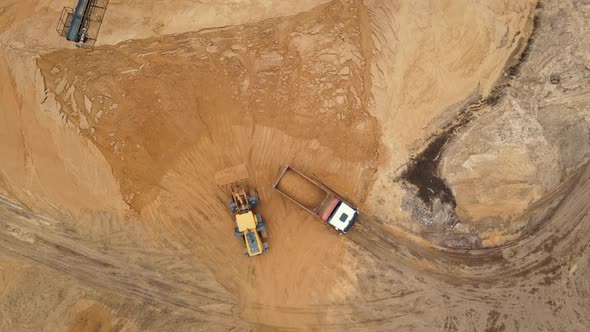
(265, 246)
(246, 252)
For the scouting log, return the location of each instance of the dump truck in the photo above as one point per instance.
(249, 226)
(316, 198)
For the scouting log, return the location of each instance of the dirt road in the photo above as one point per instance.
(114, 156)
(528, 274)
(52, 243)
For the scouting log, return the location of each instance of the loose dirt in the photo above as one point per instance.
(93, 318)
(111, 162)
(168, 119)
(301, 190)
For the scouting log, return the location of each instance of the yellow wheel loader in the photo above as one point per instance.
(249, 226)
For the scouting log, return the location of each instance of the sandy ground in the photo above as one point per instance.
(430, 60)
(113, 219)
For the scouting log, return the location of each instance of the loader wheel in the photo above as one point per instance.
(261, 224)
(265, 246)
(253, 199)
(232, 207)
(261, 227)
(246, 252)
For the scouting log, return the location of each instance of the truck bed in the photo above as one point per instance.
(316, 198)
(302, 190)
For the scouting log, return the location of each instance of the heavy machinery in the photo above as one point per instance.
(249, 226)
(81, 25)
(316, 198)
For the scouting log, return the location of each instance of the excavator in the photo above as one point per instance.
(249, 226)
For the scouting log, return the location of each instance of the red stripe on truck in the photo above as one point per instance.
(330, 209)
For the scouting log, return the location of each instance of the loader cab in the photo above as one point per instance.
(252, 229)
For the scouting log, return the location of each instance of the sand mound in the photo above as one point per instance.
(113, 155)
(169, 113)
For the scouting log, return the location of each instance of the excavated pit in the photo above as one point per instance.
(110, 160)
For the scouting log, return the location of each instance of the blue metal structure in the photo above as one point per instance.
(81, 25)
(78, 22)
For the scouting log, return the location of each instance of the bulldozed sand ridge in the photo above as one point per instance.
(113, 214)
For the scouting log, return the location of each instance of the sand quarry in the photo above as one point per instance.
(460, 129)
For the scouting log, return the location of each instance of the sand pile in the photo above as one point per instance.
(113, 154)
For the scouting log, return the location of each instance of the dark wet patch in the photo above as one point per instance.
(423, 173)
(422, 170)
(514, 67)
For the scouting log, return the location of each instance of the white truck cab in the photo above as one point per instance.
(343, 217)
